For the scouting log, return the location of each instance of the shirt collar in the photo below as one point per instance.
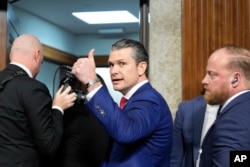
(233, 97)
(24, 68)
(135, 88)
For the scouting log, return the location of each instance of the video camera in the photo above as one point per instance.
(70, 80)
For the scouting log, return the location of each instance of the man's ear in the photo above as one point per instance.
(142, 66)
(36, 55)
(236, 79)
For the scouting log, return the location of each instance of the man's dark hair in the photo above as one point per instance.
(140, 53)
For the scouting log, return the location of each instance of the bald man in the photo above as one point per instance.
(31, 124)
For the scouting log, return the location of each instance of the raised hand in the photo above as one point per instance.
(84, 68)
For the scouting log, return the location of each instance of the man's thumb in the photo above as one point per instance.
(91, 55)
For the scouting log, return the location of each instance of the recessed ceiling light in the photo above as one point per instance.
(111, 31)
(106, 17)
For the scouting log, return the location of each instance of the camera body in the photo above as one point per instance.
(70, 80)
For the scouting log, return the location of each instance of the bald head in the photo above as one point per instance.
(27, 50)
(236, 59)
(23, 45)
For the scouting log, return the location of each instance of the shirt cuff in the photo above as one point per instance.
(92, 93)
(58, 108)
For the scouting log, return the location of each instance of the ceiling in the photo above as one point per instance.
(59, 12)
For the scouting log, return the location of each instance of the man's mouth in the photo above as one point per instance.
(116, 80)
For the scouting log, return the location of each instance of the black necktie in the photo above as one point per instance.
(219, 110)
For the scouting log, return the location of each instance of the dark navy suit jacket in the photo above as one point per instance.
(142, 131)
(231, 131)
(187, 132)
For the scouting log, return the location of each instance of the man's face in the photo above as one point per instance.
(217, 80)
(124, 71)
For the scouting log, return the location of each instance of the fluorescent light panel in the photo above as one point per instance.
(111, 31)
(106, 17)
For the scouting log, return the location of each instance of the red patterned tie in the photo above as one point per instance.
(123, 102)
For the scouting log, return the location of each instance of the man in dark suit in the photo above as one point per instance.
(142, 130)
(85, 140)
(227, 83)
(31, 124)
(192, 120)
(187, 132)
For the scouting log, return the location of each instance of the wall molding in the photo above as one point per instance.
(61, 57)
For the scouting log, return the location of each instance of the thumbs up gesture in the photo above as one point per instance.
(84, 68)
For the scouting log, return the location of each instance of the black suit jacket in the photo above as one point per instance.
(84, 142)
(30, 131)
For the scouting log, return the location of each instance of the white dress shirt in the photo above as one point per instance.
(210, 116)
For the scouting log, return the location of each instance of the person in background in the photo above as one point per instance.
(31, 123)
(227, 83)
(85, 141)
(193, 119)
(142, 128)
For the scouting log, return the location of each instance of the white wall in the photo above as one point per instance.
(104, 73)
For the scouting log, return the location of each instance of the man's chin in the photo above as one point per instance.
(210, 100)
(116, 87)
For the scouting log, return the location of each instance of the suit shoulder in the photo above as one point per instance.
(30, 80)
(190, 105)
(25, 82)
(198, 99)
(149, 91)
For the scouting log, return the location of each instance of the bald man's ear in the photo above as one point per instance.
(36, 55)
